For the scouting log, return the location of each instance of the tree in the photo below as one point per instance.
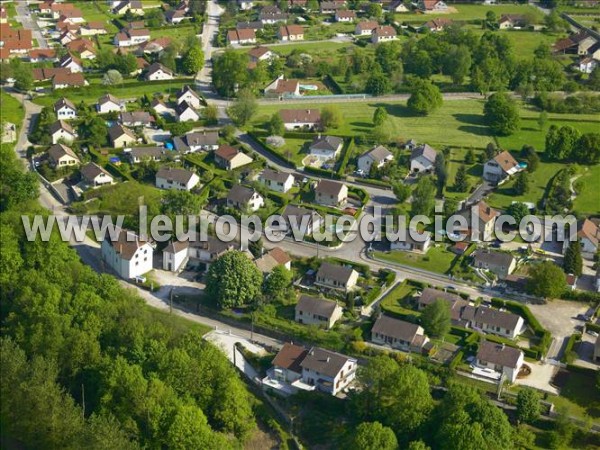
(546, 280)
(155, 17)
(542, 120)
(168, 56)
(425, 98)
(125, 64)
(436, 318)
(23, 77)
(193, 61)
(190, 429)
(561, 142)
(441, 172)
(501, 114)
(418, 445)
(211, 114)
(112, 78)
(94, 131)
(401, 191)
(312, 5)
(528, 405)
(491, 21)
(379, 116)
(587, 149)
(594, 79)
(233, 280)
(555, 23)
(457, 63)
(533, 160)
(244, 108)
(423, 197)
(378, 84)
(521, 185)
(461, 183)
(276, 125)
(573, 263)
(374, 436)
(517, 211)
(230, 72)
(277, 284)
(331, 117)
(374, 10)
(470, 157)
(181, 203)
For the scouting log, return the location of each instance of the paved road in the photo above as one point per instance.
(27, 21)
(209, 31)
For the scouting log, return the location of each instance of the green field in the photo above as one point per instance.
(307, 46)
(472, 12)
(437, 259)
(457, 122)
(588, 198)
(474, 171)
(11, 109)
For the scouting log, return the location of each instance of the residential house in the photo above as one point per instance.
(398, 334)
(499, 263)
(577, 44)
(109, 103)
(500, 167)
(326, 147)
(505, 360)
(94, 176)
(383, 34)
(15, 42)
(158, 72)
(271, 14)
(304, 221)
(159, 107)
(294, 119)
(198, 252)
(130, 37)
(291, 33)
(64, 80)
(65, 109)
(66, 37)
(154, 47)
(397, 6)
(128, 255)
(455, 302)
(137, 155)
(93, 29)
(195, 141)
(273, 258)
(365, 28)
(346, 16)
(175, 16)
(255, 25)
(315, 369)
(135, 6)
(432, 6)
(61, 130)
(179, 179)
(42, 55)
(188, 95)
(120, 136)
(282, 88)
(438, 24)
(317, 311)
(244, 199)
(588, 234)
(60, 156)
(422, 159)
(586, 65)
(331, 193)
(414, 242)
(230, 158)
(83, 47)
(186, 113)
(136, 119)
(242, 36)
(334, 276)
(377, 157)
(72, 16)
(261, 54)
(175, 255)
(493, 321)
(277, 181)
(481, 220)
(70, 62)
(508, 21)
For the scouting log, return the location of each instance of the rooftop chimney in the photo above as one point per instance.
(328, 359)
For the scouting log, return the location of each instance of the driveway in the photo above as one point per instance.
(24, 17)
(585, 350)
(540, 377)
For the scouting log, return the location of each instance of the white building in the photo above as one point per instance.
(179, 179)
(501, 358)
(188, 95)
(276, 181)
(65, 109)
(422, 159)
(128, 254)
(158, 72)
(500, 167)
(317, 311)
(61, 130)
(95, 176)
(398, 334)
(109, 103)
(244, 199)
(326, 147)
(376, 157)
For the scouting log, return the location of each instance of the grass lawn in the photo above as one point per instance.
(437, 259)
(11, 110)
(588, 198)
(457, 122)
(530, 133)
(90, 94)
(96, 11)
(471, 12)
(309, 47)
(394, 299)
(579, 395)
(179, 33)
(474, 171)
(294, 149)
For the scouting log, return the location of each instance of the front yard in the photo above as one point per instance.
(437, 259)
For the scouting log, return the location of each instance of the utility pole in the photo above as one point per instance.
(171, 301)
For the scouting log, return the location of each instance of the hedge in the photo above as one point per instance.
(581, 296)
(456, 360)
(346, 153)
(570, 355)
(364, 268)
(593, 327)
(582, 370)
(118, 172)
(322, 172)
(258, 138)
(333, 85)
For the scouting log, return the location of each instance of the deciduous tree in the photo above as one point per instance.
(528, 405)
(546, 280)
(374, 436)
(425, 98)
(244, 108)
(233, 280)
(436, 318)
(501, 114)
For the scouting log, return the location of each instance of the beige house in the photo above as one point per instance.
(318, 311)
(61, 156)
(62, 131)
(398, 334)
(94, 175)
(291, 33)
(481, 220)
(273, 258)
(499, 263)
(331, 193)
(338, 277)
(276, 181)
(121, 136)
(230, 158)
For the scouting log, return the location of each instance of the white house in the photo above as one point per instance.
(61, 130)
(294, 119)
(331, 193)
(303, 220)
(505, 360)
(94, 175)
(493, 321)
(188, 95)
(500, 167)
(365, 28)
(432, 6)
(196, 252)
(376, 157)
(60, 156)
(344, 15)
(198, 140)
(383, 34)
(501, 264)
(186, 112)
(65, 109)
(109, 103)
(398, 334)
(158, 72)
(128, 254)
(70, 62)
(244, 199)
(587, 65)
(241, 36)
(588, 233)
(422, 159)
(334, 276)
(276, 181)
(317, 311)
(326, 147)
(179, 179)
(414, 242)
(137, 155)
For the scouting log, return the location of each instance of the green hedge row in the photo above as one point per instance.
(333, 85)
(581, 296)
(456, 360)
(346, 154)
(570, 355)
(520, 310)
(593, 326)
(115, 170)
(529, 352)
(259, 138)
(321, 172)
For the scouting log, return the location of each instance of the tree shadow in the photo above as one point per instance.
(473, 119)
(397, 110)
(478, 131)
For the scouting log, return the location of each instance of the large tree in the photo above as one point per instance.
(517, 210)
(379, 116)
(331, 117)
(436, 318)
(560, 142)
(573, 262)
(374, 436)
(230, 72)
(461, 182)
(457, 63)
(193, 60)
(587, 149)
(501, 114)
(528, 405)
(521, 185)
(244, 108)
(233, 280)
(423, 201)
(546, 280)
(378, 84)
(425, 98)
(276, 125)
